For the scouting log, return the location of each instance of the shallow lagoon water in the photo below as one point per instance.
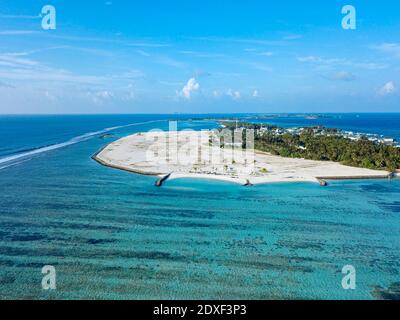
(114, 235)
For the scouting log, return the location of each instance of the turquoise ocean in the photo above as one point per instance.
(113, 235)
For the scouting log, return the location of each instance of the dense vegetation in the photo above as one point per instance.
(326, 147)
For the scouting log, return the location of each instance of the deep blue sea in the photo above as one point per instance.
(113, 235)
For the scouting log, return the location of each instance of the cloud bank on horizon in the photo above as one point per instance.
(190, 57)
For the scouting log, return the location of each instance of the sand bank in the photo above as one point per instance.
(190, 155)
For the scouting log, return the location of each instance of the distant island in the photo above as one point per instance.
(295, 115)
(262, 117)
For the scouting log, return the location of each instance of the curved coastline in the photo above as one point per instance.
(110, 156)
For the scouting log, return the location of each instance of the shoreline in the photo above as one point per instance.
(129, 154)
(178, 176)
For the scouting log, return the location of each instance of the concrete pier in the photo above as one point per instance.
(160, 181)
(368, 177)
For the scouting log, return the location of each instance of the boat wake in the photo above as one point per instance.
(9, 161)
(13, 164)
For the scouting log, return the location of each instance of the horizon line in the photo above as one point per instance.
(188, 114)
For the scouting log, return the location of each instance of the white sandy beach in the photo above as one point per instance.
(189, 154)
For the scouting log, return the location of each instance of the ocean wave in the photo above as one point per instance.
(13, 164)
(75, 140)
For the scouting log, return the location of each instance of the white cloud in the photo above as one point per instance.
(235, 95)
(143, 53)
(329, 62)
(293, 37)
(368, 65)
(100, 97)
(255, 94)
(11, 59)
(50, 96)
(167, 61)
(216, 93)
(105, 94)
(191, 86)
(16, 32)
(319, 60)
(258, 66)
(389, 48)
(9, 16)
(341, 76)
(388, 89)
(266, 54)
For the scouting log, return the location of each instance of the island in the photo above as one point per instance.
(191, 154)
(369, 151)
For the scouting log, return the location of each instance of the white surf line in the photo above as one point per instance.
(75, 140)
(14, 164)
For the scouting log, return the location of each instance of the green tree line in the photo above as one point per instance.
(326, 147)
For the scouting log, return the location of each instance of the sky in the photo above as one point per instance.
(175, 56)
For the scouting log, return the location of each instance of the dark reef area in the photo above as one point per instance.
(391, 293)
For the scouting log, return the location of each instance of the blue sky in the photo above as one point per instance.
(118, 56)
